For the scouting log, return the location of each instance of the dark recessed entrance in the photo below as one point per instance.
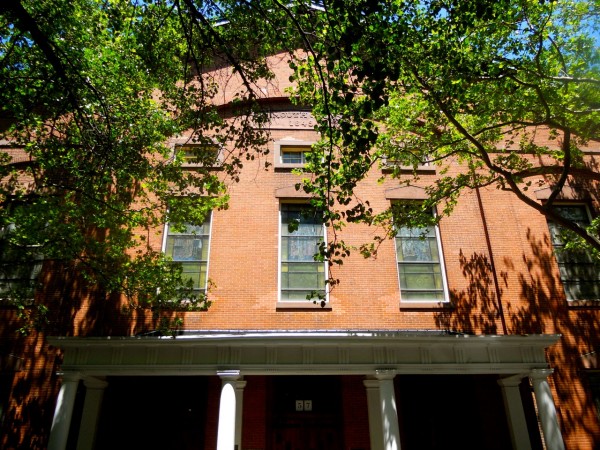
(451, 411)
(307, 413)
(153, 413)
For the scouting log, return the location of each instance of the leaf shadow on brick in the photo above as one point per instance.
(540, 308)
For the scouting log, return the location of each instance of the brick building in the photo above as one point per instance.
(464, 339)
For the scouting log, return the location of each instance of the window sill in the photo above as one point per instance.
(425, 305)
(302, 305)
(281, 167)
(202, 166)
(583, 304)
(388, 168)
(9, 302)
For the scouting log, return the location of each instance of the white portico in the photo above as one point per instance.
(378, 356)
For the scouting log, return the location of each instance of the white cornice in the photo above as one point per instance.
(357, 352)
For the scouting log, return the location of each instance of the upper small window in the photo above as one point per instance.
(291, 153)
(579, 274)
(420, 265)
(294, 154)
(201, 155)
(189, 247)
(391, 165)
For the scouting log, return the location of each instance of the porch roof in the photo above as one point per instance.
(315, 352)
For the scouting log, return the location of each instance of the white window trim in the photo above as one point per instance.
(39, 260)
(277, 153)
(572, 302)
(164, 247)
(425, 303)
(185, 164)
(303, 304)
(389, 165)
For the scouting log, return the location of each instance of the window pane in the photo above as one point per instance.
(576, 213)
(416, 232)
(186, 248)
(293, 158)
(293, 295)
(582, 290)
(204, 155)
(415, 249)
(192, 271)
(421, 276)
(300, 248)
(423, 296)
(294, 154)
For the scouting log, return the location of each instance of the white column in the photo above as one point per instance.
(239, 409)
(546, 409)
(229, 434)
(389, 412)
(59, 433)
(91, 411)
(383, 414)
(513, 404)
(375, 424)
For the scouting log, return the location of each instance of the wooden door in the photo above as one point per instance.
(306, 413)
(307, 436)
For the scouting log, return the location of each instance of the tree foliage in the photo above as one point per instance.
(94, 89)
(92, 92)
(454, 84)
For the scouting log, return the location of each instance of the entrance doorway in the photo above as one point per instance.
(153, 413)
(307, 413)
(439, 412)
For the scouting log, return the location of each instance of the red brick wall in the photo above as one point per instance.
(255, 420)
(356, 416)
(244, 267)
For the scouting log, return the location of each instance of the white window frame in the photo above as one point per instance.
(313, 303)
(586, 208)
(389, 165)
(432, 302)
(187, 164)
(36, 266)
(279, 149)
(164, 248)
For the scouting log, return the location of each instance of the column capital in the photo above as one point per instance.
(95, 382)
(540, 374)
(371, 383)
(229, 375)
(240, 384)
(512, 381)
(385, 374)
(69, 376)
